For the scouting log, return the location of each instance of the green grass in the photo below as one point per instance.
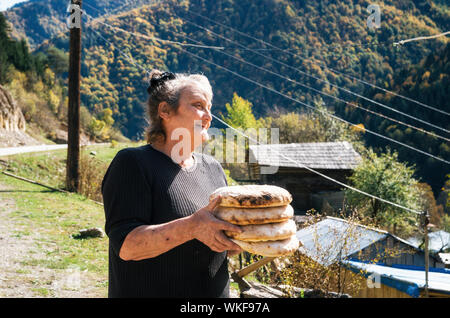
(55, 217)
(49, 168)
(107, 153)
(44, 292)
(52, 218)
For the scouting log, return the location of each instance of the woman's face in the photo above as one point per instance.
(193, 117)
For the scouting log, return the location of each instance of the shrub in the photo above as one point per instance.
(92, 171)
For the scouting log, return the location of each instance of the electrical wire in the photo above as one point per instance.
(326, 94)
(421, 38)
(297, 163)
(129, 58)
(311, 88)
(300, 165)
(312, 107)
(322, 65)
(319, 79)
(154, 37)
(305, 104)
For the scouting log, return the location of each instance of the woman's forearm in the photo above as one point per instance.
(149, 241)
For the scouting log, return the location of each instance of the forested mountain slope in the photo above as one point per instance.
(315, 36)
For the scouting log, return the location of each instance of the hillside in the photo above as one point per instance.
(34, 102)
(39, 20)
(317, 32)
(313, 32)
(427, 81)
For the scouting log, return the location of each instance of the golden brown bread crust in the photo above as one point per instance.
(265, 232)
(270, 248)
(243, 216)
(252, 196)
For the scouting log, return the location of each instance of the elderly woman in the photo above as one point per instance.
(163, 239)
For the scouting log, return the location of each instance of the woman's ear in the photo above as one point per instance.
(164, 110)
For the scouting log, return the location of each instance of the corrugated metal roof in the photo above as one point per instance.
(316, 155)
(437, 241)
(333, 239)
(445, 258)
(410, 281)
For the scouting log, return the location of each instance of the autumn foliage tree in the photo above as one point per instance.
(386, 177)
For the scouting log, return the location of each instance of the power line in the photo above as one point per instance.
(354, 105)
(421, 38)
(297, 163)
(307, 105)
(92, 7)
(300, 165)
(156, 38)
(323, 65)
(330, 69)
(129, 58)
(109, 13)
(326, 94)
(287, 51)
(319, 79)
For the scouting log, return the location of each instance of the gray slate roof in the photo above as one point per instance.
(316, 155)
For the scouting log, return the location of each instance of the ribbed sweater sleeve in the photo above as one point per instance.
(125, 196)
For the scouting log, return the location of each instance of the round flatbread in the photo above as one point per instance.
(252, 196)
(270, 248)
(242, 216)
(265, 232)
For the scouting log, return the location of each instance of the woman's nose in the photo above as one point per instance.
(208, 115)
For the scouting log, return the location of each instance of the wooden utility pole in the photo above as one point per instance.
(426, 221)
(73, 135)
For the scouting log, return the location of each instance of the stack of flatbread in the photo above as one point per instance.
(264, 214)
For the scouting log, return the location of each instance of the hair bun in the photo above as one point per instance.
(157, 78)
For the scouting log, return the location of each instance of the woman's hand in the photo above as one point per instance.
(209, 230)
(234, 252)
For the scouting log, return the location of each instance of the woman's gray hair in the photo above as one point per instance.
(167, 87)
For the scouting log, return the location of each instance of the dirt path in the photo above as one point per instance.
(19, 279)
(25, 267)
(13, 249)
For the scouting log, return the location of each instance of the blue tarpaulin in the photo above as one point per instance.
(408, 279)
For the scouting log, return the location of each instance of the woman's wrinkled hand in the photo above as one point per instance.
(209, 230)
(234, 252)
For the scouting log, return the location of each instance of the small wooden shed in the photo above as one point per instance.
(286, 165)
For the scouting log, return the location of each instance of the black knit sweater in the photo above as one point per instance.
(144, 186)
